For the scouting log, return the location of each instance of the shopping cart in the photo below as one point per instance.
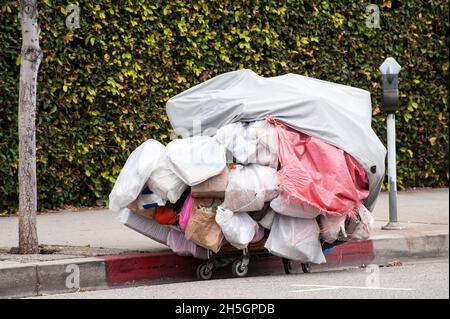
(240, 260)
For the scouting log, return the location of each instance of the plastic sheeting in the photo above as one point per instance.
(318, 173)
(337, 114)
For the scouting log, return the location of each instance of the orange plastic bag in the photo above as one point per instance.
(165, 215)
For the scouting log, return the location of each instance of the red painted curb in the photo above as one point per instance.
(356, 252)
(150, 266)
(168, 266)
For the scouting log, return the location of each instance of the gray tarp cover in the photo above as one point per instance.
(337, 114)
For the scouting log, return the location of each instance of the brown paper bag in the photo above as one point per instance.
(213, 187)
(202, 228)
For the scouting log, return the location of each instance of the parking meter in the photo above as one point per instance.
(389, 76)
(389, 104)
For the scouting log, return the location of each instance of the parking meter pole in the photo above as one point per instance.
(393, 223)
(389, 103)
(392, 168)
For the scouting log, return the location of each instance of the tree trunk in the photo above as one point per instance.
(30, 59)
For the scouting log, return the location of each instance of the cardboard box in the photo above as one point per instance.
(213, 187)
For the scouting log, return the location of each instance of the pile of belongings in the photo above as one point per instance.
(290, 162)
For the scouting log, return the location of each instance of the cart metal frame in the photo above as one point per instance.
(239, 260)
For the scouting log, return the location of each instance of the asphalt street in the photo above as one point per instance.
(413, 279)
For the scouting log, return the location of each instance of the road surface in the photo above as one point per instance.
(413, 279)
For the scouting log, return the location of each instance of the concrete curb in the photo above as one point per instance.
(433, 244)
(50, 277)
(62, 276)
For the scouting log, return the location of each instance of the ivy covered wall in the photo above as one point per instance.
(103, 87)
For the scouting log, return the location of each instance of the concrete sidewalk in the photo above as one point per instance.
(108, 253)
(420, 211)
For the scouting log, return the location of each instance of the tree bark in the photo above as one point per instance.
(31, 56)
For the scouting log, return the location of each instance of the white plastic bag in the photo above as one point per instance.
(282, 205)
(249, 187)
(332, 227)
(136, 171)
(195, 159)
(267, 219)
(236, 140)
(166, 183)
(295, 239)
(239, 229)
(360, 228)
(242, 141)
(258, 235)
(231, 134)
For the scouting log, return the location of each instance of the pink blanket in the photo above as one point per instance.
(318, 173)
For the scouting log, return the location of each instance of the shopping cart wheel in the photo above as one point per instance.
(204, 271)
(306, 268)
(287, 265)
(239, 268)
